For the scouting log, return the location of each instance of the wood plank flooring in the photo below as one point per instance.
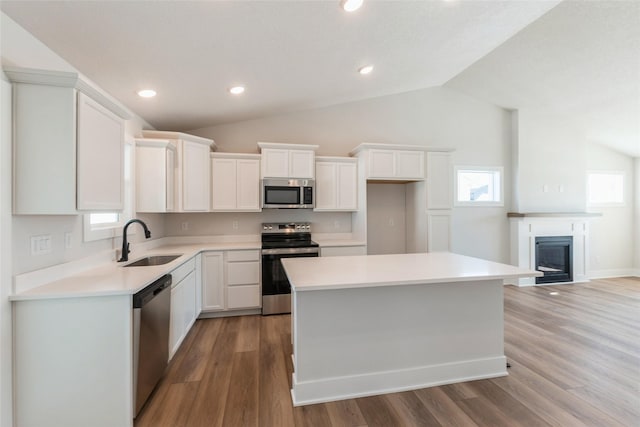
(575, 361)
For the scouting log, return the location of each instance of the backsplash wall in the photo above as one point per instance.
(222, 223)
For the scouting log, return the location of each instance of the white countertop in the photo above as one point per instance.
(110, 278)
(115, 279)
(310, 274)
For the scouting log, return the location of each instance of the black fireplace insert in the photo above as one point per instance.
(554, 258)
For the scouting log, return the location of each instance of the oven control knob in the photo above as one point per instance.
(308, 227)
(270, 227)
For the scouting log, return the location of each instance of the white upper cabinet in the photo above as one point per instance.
(235, 182)
(155, 175)
(409, 164)
(287, 160)
(336, 184)
(396, 164)
(392, 162)
(193, 169)
(68, 145)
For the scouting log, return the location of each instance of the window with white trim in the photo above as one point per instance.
(106, 225)
(478, 186)
(605, 188)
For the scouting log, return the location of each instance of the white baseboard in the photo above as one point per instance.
(353, 386)
(619, 272)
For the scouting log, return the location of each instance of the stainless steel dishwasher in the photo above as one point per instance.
(151, 311)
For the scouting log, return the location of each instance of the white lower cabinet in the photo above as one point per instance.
(231, 280)
(213, 281)
(183, 304)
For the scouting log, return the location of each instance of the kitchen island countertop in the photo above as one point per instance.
(309, 274)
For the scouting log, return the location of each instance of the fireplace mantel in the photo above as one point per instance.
(553, 215)
(525, 227)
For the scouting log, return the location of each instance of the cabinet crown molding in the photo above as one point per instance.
(158, 143)
(165, 134)
(65, 79)
(336, 159)
(396, 147)
(282, 146)
(250, 156)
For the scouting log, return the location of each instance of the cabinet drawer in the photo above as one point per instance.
(247, 296)
(243, 273)
(248, 255)
(181, 272)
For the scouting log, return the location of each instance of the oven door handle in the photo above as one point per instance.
(290, 251)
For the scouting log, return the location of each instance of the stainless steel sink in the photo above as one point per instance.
(153, 260)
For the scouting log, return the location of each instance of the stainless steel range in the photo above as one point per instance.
(282, 240)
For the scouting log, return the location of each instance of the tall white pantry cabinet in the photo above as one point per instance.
(68, 145)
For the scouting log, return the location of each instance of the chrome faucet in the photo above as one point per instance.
(125, 244)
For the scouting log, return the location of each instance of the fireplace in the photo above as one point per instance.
(526, 228)
(554, 258)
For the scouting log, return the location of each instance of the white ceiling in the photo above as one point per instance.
(291, 55)
(581, 60)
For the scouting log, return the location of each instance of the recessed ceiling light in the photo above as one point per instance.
(147, 93)
(236, 90)
(367, 69)
(553, 293)
(351, 5)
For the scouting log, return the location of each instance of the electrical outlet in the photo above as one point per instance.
(392, 223)
(184, 226)
(68, 240)
(41, 245)
(235, 225)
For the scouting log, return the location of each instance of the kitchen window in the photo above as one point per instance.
(605, 188)
(478, 186)
(106, 225)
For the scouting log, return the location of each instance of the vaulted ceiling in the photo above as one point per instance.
(579, 58)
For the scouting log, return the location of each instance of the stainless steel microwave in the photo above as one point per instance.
(288, 193)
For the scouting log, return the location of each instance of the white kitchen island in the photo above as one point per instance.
(375, 324)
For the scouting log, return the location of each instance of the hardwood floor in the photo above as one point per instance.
(575, 361)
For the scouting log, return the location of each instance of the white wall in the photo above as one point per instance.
(636, 214)
(551, 158)
(436, 117)
(612, 245)
(386, 219)
(6, 398)
(216, 224)
(550, 155)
